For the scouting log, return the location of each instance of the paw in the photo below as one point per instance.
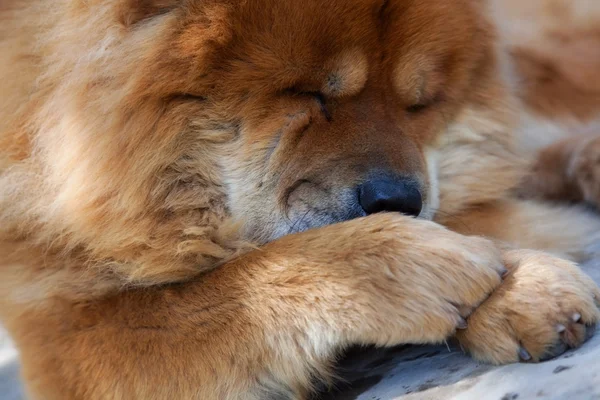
(584, 170)
(386, 279)
(544, 307)
(423, 280)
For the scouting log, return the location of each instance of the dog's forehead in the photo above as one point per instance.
(318, 30)
(333, 46)
(306, 25)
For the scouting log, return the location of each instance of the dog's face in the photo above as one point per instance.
(336, 104)
(295, 114)
(165, 120)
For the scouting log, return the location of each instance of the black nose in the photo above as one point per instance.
(390, 194)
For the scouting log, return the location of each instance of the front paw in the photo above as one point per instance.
(422, 281)
(389, 279)
(545, 306)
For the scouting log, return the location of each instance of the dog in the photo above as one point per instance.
(210, 199)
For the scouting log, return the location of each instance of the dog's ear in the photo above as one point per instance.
(133, 11)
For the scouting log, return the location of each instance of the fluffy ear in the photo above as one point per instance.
(133, 11)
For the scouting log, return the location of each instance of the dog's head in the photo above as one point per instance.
(168, 117)
(335, 103)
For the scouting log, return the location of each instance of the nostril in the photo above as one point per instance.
(390, 194)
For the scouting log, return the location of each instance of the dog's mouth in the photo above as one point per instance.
(312, 205)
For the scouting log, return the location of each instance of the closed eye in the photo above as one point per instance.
(423, 106)
(186, 97)
(417, 108)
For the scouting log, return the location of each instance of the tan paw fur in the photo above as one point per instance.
(410, 281)
(545, 306)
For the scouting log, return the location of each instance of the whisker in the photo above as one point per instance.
(299, 222)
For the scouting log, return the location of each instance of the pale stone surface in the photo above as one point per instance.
(9, 370)
(432, 373)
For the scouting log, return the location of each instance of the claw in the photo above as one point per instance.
(560, 328)
(524, 354)
(462, 324)
(576, 317)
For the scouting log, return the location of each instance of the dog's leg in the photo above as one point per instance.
(546, 304)
(567, 231)
(262, 326)
(568, 170)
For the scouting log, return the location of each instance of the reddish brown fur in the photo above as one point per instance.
(177, 180)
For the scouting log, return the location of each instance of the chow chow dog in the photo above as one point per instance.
(210, 199)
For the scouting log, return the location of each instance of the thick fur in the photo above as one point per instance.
(177, 188)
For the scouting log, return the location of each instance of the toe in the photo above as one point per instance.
(590, 331)
(555, 351)
(576, 333)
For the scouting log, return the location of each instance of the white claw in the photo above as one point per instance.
(576, 317)
(560, 328)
